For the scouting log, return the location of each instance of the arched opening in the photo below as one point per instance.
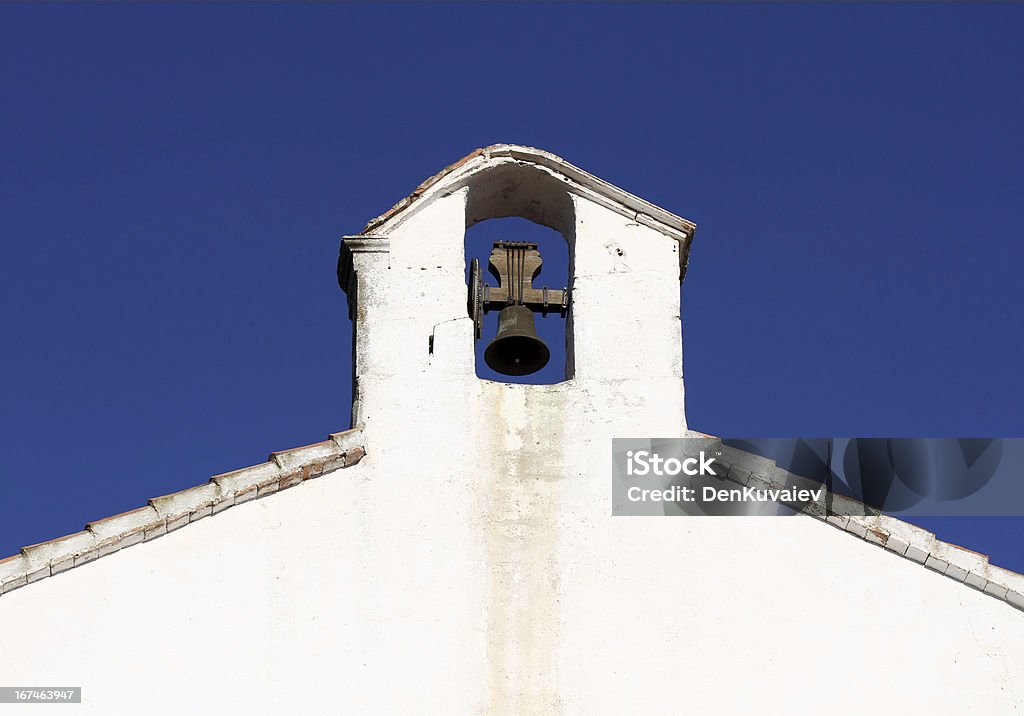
(552, 327)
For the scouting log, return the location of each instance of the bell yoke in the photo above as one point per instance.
(516, 348)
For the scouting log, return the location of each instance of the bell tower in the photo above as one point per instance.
(509, 476)
(416, 319)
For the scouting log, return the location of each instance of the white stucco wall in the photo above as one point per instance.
(470, 563)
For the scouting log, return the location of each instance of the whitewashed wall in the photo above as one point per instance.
(469, 563)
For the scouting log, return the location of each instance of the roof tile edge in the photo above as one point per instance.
(639, 209)
(167, 513)
(907, 540)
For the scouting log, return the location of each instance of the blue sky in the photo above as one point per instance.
(174, 180)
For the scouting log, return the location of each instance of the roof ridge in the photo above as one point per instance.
(577, 181)
(167, 513)
(895, 535)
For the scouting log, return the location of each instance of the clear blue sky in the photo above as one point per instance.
(174, 180)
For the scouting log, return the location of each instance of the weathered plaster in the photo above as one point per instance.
(469, 563)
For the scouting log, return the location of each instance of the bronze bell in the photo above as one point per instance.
(516, 349)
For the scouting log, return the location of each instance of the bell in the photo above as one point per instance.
(516, 349)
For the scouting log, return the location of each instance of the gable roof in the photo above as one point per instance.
(571, 178)
(282, 470)
(341, 450)
(288, 468)
(894, 535)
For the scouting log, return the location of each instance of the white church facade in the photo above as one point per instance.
(456, 552)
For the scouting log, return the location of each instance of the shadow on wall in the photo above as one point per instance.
(554, 273)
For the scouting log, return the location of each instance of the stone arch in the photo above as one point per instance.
(523, 190)
(527, 191)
